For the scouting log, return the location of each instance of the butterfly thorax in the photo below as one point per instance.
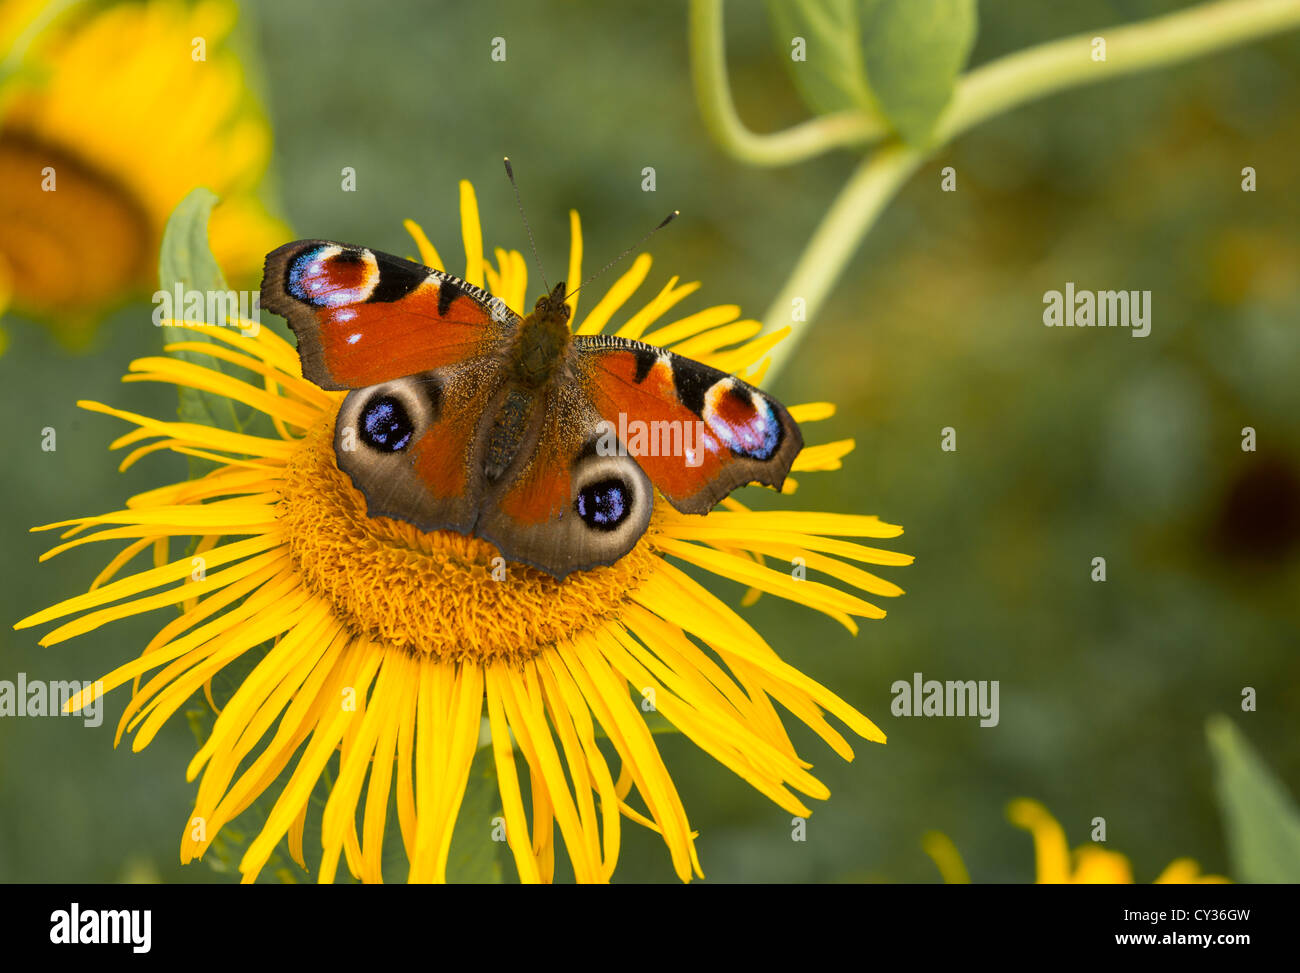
(542, 340)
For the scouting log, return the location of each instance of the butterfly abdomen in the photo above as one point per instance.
(507, 433)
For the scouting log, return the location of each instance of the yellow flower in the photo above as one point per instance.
(107, 120)
(414, 628)
(1090, 864)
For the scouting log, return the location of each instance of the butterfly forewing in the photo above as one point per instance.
(363, 317)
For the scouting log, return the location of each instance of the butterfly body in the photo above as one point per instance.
(544, 340)
(462, 415)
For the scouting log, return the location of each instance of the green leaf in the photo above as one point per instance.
(913, 51)
(831, 78)
(1259, 816)
(185, 254)
(186, 260)
(474, 856)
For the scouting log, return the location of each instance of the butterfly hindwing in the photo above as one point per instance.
(702, 433)
(412, 446)
(363, 317)
(562, 506)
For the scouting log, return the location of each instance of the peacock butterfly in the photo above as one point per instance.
(461, 415)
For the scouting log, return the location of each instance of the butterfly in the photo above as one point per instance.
(463, 415)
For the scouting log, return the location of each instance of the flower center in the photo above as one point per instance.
(73, 238)
(436, 592)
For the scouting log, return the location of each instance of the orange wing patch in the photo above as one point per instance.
(368, 343)
(363, 317)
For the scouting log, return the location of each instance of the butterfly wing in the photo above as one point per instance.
(579, 493)
(562, 506)
(413, 446)
(421, 352)
(721, 433)
(363, 317)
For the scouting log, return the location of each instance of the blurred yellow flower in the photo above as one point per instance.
(1090, 865)
(108, 118)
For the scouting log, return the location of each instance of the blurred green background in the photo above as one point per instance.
(1071, 444)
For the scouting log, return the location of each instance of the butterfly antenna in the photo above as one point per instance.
(632, 249)
(524, 216)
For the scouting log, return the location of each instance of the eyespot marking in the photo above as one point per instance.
(385, 425)
(605, 504)
(742, 420)
(328, 275)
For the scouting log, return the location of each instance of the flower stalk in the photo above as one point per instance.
(987, 91)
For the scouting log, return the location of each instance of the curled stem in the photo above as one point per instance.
(987, 91)
(713, 92)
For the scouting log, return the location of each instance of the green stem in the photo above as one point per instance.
(713, 92)
(866, 194)
(990, 90)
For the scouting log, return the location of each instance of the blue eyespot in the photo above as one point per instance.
(302, 267)
(605, 504)
(385, 425)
